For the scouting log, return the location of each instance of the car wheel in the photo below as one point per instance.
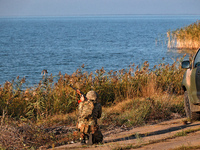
(187, 106)
(189, 114)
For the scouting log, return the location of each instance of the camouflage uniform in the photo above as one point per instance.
(88, 125)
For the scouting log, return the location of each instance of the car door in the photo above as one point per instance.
(195, 79)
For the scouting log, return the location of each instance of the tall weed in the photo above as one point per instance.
(49, 98)
(186, 37)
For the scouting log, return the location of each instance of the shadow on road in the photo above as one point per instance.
(159, 132)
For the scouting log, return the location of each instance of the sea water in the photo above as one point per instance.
(62, 44)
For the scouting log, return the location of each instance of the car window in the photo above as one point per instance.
(197, 59)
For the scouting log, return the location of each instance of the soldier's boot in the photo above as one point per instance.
(82, 138)
(90, 142)
(83, 141)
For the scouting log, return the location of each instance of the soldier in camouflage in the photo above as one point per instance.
(89, 111)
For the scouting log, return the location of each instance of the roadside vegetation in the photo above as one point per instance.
(45, 115)
(187, 37)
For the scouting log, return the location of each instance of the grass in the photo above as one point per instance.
(137, 112)
(187, 37)
(130, 97)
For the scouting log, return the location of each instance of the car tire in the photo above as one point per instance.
(189, 114)
(187, 106)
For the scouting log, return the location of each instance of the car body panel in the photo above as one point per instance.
(191, 82)
(198, 82)
(193, 93)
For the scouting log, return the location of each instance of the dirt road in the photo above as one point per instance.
(162, 136)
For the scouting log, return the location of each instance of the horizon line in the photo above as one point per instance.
(90, 15)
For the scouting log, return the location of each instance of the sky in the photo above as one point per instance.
(97, 7)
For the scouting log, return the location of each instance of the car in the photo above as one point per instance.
(191, 87)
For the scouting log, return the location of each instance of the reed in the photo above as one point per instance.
(130, 97)
(49, 98)
(186, 37)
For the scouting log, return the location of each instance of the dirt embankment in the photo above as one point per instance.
(163, 136)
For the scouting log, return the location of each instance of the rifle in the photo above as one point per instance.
(83, 97)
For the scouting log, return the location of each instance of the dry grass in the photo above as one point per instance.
(49, 98)
(187, 37)
(10, 138)
(140, 111)
(60, 129)
(46, 113)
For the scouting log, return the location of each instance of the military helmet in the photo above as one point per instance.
(92, 95)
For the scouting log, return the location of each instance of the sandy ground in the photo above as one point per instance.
(156, 137)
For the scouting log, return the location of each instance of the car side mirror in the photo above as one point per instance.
(185, 64)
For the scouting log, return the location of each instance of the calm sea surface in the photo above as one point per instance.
(29, 45)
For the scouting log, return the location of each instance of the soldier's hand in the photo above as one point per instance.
(82, 98)
(78, 91)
